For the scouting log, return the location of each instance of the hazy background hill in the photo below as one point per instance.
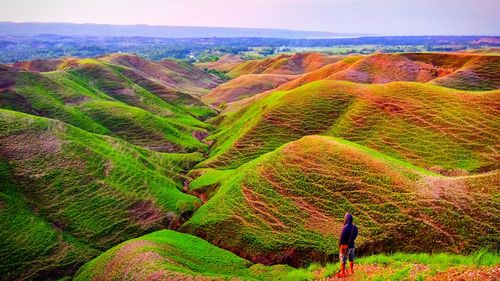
(37, 28)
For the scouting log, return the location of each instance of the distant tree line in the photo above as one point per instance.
(205, 49)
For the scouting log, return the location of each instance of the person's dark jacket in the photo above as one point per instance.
(349, 232)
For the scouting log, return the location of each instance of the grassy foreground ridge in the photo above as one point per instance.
(169, 255)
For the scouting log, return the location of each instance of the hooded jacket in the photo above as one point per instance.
(349, 232)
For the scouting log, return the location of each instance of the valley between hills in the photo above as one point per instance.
(122, 168)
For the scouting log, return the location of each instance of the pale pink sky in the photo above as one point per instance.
(390, 17)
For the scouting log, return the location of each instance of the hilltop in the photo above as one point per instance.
(245, 86)
(283, 64)
(224, 64)
(462, 71)
(150, 104)
(407, 121)
(257, 76)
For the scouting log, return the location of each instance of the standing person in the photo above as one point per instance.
(346, 242)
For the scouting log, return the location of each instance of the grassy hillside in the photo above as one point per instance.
(284, 64)
(322, 73)
(95, 152)
(70, 194)
(179, 77)
(128, 86)
(38, 65)
(457, 71)
(176, 82)
(169, 255)
(97, 98)
(224, 64)
(244, 86)
(287, 207)
(476, 74)
(408, 121)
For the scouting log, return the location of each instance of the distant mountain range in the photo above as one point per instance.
(105, 30)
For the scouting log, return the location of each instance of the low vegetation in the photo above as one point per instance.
(168, 255)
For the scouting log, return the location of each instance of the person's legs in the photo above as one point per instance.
(351, 260)
(343, 262)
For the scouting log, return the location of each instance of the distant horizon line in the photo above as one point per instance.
(188, 26)
(340, 34)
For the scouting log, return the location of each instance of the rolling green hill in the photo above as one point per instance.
(284, 64)
(287, 207)
(68, 194)
(96, 97)
(462, 71)
(408, 121)
(168, 255)
(91, 176)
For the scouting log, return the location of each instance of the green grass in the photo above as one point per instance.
(98, 99)
(167, 254)
(287, 206)
(418, 123)
(398, 266)
(141, 127)
(83, 192)
(109, 79)
(86, 190)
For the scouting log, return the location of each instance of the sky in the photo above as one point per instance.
(381, 17)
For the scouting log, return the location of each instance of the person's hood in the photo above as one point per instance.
(347, 219)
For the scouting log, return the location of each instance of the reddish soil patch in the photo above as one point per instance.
(365, 270)
(477, 274)
(145, 213)
(26, 145)
(130, 261)
(108, 166)
(38, 65)
(224, 64)
(199, 135)
(125, 251)
(76, 100)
